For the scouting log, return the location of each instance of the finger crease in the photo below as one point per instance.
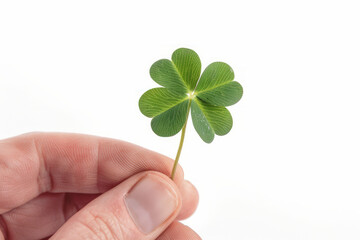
(69, 207)
(3, 227)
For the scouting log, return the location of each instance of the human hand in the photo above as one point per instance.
(72, 186)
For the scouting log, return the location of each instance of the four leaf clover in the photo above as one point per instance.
(184, 90)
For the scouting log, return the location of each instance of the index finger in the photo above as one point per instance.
(35, 163)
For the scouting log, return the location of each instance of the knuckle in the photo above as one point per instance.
(15, 171)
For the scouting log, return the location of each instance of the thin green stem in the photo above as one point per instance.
(181, 141)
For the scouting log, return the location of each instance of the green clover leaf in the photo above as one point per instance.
(184, 90)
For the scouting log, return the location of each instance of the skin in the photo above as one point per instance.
(52, 183)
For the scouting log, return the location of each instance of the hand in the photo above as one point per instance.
(71, 186)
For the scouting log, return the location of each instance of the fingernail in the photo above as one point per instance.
(150, 202)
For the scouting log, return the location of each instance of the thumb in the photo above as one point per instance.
(141, 207)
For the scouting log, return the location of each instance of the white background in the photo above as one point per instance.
(289, 169)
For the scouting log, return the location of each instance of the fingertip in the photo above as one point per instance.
(179, 175)
(151, 201)
(178, 230)
(190, 200)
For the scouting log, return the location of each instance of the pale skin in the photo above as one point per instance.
(72, 186)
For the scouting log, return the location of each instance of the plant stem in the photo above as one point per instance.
(181, 141)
